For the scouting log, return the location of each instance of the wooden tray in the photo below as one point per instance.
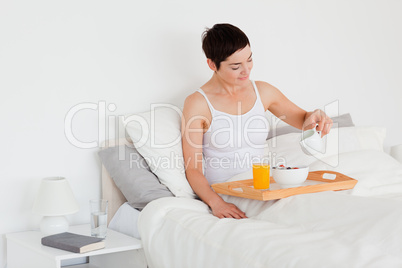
(314, 183)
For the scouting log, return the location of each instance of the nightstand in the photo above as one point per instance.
(24, 249)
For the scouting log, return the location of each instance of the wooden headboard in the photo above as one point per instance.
(110, 191)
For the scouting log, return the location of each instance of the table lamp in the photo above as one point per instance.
(55, 199)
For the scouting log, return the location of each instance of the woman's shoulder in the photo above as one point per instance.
(194, 98)
(265, 87)
(268, 93)
(195, 103)
(262, 85)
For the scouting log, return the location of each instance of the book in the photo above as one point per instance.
(73, 242)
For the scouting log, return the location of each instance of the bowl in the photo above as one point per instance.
(288, 177)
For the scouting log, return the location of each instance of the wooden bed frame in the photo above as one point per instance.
(110, 191)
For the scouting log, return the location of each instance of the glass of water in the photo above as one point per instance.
(98, 217)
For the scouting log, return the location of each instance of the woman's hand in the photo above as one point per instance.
(227, 210)
(318, 117)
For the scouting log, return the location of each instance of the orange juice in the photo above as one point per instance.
(261, 176)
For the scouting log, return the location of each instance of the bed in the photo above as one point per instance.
(361, 227)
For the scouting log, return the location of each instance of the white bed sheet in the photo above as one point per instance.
(357, 228)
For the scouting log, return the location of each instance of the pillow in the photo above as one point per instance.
(286, 150)
(157, 136)
(132, 176)
(344, 120)
(125, 221)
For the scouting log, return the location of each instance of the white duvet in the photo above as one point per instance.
(356, 228)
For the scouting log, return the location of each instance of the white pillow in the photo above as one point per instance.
(286, 150)
(125, 221)
(157, 137)
(370, 138)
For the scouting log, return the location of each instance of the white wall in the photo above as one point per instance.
(58, 54)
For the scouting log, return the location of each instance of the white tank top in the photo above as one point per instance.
(232, 140)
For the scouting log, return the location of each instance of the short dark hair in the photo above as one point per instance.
(221, 41)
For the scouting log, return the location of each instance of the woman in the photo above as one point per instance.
(224, 120)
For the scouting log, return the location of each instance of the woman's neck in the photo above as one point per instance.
(220, 86)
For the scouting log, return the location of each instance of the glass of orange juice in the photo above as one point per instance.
(261, 168)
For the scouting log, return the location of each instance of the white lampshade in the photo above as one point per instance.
(55, 199)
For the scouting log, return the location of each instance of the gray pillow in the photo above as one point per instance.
(132, 176)
(344, 120)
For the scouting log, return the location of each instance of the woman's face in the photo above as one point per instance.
(237, 67)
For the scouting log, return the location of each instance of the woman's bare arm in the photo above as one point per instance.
(277, 103)
(194, 122)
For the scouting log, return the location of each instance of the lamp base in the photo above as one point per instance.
(53, 225)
